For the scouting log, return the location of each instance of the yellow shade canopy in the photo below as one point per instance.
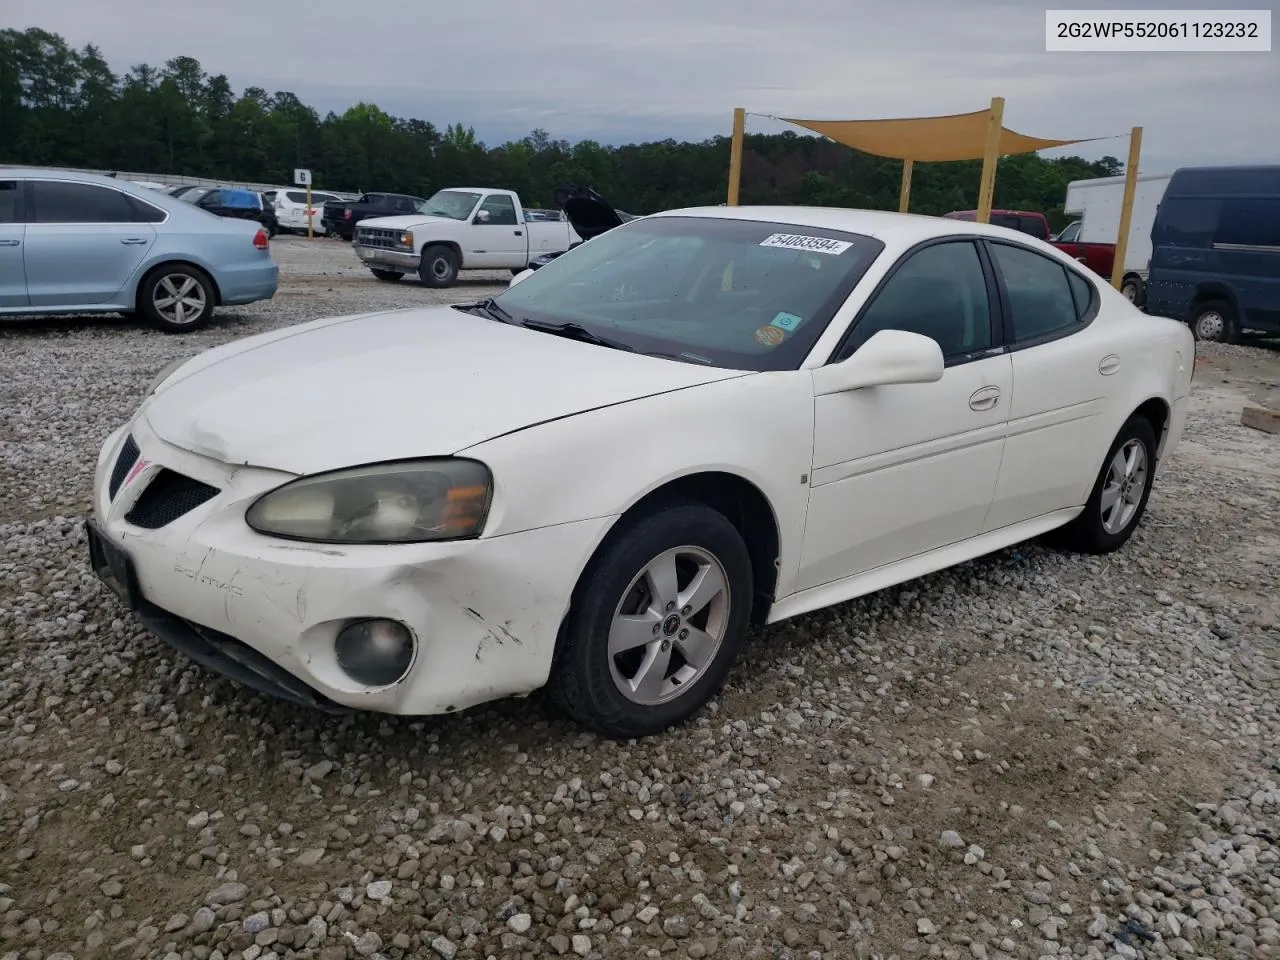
(960, 136)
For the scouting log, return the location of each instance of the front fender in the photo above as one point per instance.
(599, 464)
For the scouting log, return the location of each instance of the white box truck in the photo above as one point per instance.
(1097, 203)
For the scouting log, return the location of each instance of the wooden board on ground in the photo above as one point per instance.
(1260, 419)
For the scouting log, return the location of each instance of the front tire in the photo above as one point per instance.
(1215, 320)
(176, 298)
(655, 623)
(439, 267)
(386, 276)
(1119, 496)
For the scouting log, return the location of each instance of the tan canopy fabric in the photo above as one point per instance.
(961, 136)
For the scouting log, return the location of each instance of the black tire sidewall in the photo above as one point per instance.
(1094, 536)
(582, 677)
(146, 298)
(387, 276)
(429, 256)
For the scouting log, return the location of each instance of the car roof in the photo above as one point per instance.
(901, 229)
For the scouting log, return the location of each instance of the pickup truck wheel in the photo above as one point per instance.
(439, 266)
(1215, 320)
(386, 276)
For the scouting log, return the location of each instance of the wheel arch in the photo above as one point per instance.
(734, 497)
(176, 262)
(451, 244)
(1156, 411)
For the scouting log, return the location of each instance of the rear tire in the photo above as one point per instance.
(1133, 291)
(176, 298)
(1119, 496)
(387, 276)
(439, 267)
(655, 623)
(1215, 320)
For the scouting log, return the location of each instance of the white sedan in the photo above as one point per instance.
(597, 479)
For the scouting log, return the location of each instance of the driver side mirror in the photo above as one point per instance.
(888, 357)
(482, 217)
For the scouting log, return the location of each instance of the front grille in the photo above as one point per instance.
(167, 497)
(128, 457)
(379, 237)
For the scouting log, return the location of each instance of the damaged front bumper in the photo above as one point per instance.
(484, 613)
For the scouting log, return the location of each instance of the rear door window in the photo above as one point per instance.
(1040, 297)
(58, 201)
(8, 201)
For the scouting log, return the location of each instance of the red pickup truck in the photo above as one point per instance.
(1098, 257)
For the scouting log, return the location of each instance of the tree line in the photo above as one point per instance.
(60, 106)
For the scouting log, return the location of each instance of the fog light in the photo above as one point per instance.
(374, 652)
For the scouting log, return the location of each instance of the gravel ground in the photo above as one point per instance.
(1030, 755)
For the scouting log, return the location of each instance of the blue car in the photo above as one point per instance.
(1215, 251)
(83, 243)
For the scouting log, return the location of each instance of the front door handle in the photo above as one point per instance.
(133, 240)
(9, 243)
(519, 233)
(985, 398)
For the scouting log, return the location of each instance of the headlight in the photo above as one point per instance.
(406, 239)
(164, 375)
(407, 502)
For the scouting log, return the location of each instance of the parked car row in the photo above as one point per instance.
(475, 228)
(86, 243)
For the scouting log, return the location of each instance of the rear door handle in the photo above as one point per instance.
(134, 240)
(9, 243)
(1108, 364)
(984, 398)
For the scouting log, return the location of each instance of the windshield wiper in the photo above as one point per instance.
(490, 307)
(576, 331)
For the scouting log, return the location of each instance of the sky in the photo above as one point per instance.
(624, 71)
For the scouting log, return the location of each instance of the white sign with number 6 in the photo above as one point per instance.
(302, 178)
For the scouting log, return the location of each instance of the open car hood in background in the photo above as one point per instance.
(589, 213)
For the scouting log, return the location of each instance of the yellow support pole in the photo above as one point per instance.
(990, 156)
(1126, 208)
(735, 154)
(904, 196)
(309, 208)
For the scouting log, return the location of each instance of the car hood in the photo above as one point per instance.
(589, 213)
(388, 386)
(405, 221)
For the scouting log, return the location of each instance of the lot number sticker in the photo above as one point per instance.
(796, 241)
(769, 336)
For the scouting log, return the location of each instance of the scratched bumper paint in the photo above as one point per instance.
(485, 612)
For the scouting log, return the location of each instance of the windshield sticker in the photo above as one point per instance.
(786, 321)
(769, 336)
(795, 241)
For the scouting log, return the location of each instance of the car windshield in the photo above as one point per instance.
(454, 204)
(739, 294)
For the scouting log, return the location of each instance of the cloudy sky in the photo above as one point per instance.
(634, 70)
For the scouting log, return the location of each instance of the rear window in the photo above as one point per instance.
(240, 199)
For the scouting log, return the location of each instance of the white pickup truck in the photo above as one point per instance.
(462, 228)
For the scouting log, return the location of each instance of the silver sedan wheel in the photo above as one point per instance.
(1209, 325)
(669, 626)
(1122, 491)
(179, 298)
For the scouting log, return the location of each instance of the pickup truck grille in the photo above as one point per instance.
(379, 237)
